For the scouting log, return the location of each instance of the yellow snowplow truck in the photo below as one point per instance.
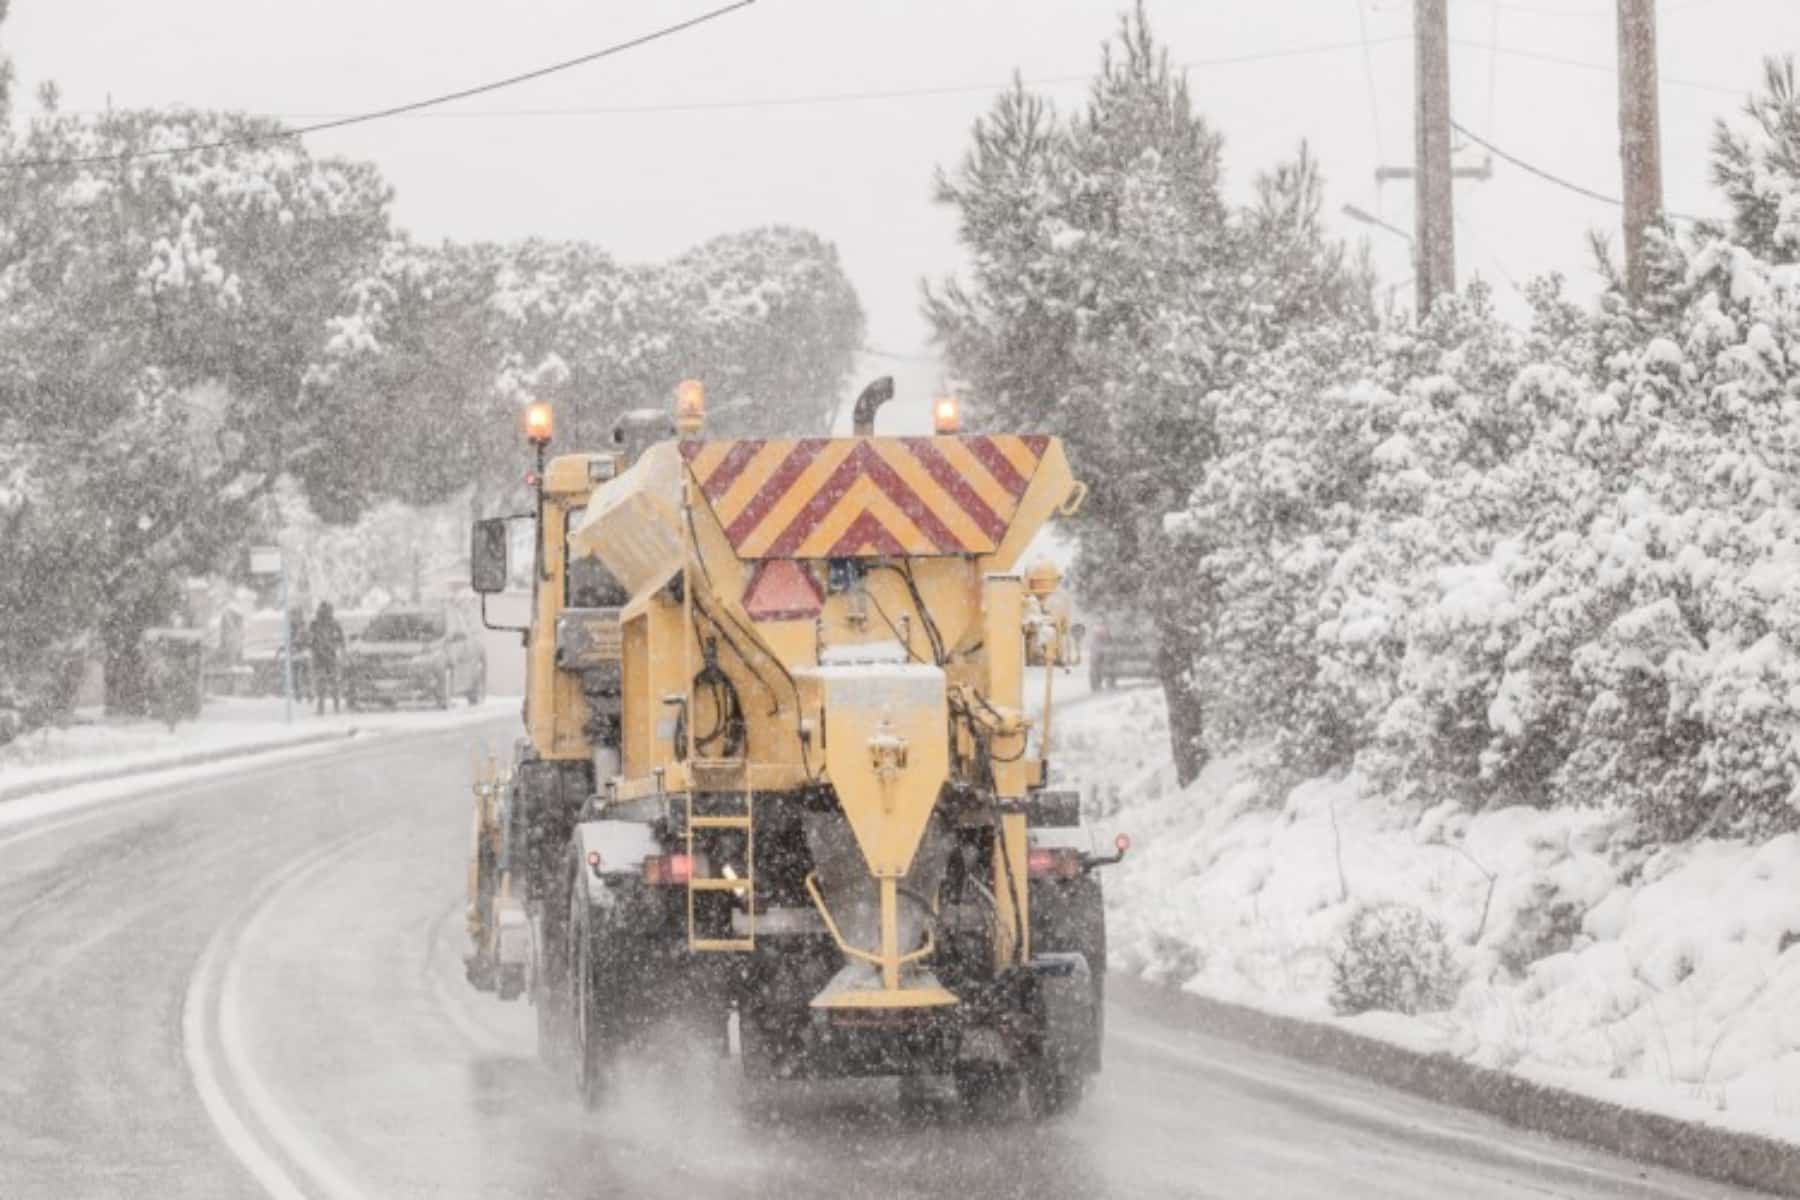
(779, 760)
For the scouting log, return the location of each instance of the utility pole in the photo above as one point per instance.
(1434, 240)
(1640, 135)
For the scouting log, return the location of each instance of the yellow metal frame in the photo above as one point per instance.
(658, 523)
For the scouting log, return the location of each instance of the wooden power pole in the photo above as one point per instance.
(1640, 134)
(1435, 231)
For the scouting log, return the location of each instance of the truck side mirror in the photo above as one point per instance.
(487, 556)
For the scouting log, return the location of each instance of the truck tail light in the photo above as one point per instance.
(668, 870)
(1053, 862)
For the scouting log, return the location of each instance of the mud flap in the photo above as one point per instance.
(512, 948)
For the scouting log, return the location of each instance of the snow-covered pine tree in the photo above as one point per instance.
(1112, 293)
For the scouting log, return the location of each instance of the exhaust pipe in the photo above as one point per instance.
(872, 398)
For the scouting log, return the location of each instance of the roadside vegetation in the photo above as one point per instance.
(1546, 565)
(1479, 637)
(203, 350)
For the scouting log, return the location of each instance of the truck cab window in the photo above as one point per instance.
(588, 584)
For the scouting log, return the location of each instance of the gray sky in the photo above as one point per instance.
(647, 184)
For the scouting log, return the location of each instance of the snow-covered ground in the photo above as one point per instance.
(88, 744)
(1663, 979)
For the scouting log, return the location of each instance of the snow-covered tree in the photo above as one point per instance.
(1756, 168)
(467, 335)
(1113, 295)
(164, 314)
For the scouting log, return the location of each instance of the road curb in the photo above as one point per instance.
(1743, 1159)
(196, 758)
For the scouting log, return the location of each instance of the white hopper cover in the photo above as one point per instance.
(633, 523)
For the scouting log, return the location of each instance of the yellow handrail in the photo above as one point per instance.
(812, 889)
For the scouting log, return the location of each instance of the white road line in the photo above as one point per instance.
(198, 1015)
(263, 1106)
(237, 1137)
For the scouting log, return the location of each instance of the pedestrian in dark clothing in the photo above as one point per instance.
(326, 641)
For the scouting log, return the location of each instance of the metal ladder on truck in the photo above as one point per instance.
(743, 885)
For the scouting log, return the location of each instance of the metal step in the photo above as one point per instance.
(744, 885)
(719, 884)
(718, 822)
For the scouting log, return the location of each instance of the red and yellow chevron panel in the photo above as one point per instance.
(865, 497)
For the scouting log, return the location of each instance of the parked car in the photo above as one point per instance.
(1121, 649)
(429, 653)
(263, 653)
(260, 654)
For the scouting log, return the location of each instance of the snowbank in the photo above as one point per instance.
(70, 754)
(1667, 980)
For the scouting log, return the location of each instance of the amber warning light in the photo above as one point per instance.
(690, 407)
(538, 423)
(946, 414)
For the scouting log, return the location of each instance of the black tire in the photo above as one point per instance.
(924, 1097)
(1051, 1092)
(591, 1019)
(550, 994)
(555, 1030)
(1071, 916)
(509, 982)
(988, 1090)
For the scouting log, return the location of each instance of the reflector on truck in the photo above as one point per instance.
(782, 590)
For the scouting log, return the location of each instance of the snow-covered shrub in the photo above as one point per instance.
(1351, 466)
(1172, 960)
(1393, 958)
(1550, 925)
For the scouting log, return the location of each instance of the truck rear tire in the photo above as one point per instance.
(550, 995)
(1071, 917)
(593, 1010)
(1051, 1091)
(990, 1091)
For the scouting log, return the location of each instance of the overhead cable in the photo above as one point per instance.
(1362, 22)
(1547, 176)
(1583, 64)
(804, 100)
(412, 106)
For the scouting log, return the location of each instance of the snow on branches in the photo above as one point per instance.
(1551, 566)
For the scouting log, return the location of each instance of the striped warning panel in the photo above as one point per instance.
(862, 497)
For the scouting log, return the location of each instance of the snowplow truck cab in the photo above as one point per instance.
(787, 767)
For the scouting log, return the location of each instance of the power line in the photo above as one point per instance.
(394, 111)
(818, 98)
(1548, 177)
(1493, 64)
(1604, 68)
(1362, 21)
(1580, 14)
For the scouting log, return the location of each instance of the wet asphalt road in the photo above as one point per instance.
(251, 987)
